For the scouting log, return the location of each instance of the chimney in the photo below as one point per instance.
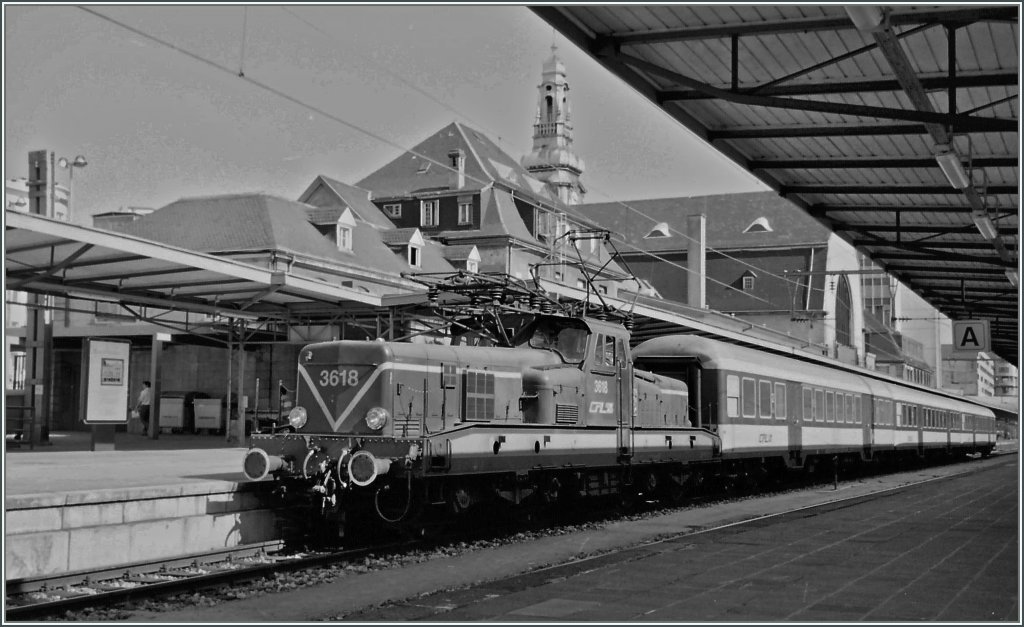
(457, 174)
(695, 262)
(41, 191)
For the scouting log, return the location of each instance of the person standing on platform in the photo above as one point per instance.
(143, 406)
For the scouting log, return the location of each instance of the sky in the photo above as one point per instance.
(330, 89)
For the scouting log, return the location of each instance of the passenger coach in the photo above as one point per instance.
(773, 411)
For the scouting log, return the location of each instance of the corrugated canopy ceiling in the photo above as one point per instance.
(855, 115)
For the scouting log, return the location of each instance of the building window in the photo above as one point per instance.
(844, 312)
(414, 256)
(660, 229)
(541, 223)
(748, 283)
(472, 265)
(465, 213)
(393, 211)
(344, 237)
(429, 212)
(759, 225)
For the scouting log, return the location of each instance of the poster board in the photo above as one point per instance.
(105, 381)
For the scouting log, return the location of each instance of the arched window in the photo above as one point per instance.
(550, 106)
(844, 312)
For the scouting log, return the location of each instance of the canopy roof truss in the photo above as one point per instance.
(851, 124)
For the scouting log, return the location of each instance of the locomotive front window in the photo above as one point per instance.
(569, 342)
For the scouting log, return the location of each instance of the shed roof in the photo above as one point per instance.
(845, 120)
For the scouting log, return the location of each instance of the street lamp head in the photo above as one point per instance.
(79, 162)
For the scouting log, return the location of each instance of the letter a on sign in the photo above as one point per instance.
(971, 335)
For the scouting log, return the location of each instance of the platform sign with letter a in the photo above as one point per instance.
(971, 336)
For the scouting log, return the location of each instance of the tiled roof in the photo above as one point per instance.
(259, 222)
(233, 223)
(347, 196)
(728, 216)
(459, 252)
(398, 237)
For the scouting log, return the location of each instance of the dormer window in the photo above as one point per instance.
(344, 237)
(424, 168)
(660, 230)
(415, 256)
(343, 230)
(759, 225)
(472, 265)
(430, 212)
(748, 281)
(393, 210)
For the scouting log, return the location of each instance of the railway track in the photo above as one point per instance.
(53, 596)
(42, 597)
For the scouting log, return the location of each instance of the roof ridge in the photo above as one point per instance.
(462, 131)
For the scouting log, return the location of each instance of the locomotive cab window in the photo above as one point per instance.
(568, 340)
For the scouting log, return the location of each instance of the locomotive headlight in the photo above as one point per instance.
(297, 417)
(376, 418)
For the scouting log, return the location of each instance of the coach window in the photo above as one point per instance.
(819, 405)
(830, 406)
(899, 414)
(840, 408)
(856, 410)
(780, 401)
(749, 398)
(732, 396)
(766, 399)
(849, 408)
(808, 405)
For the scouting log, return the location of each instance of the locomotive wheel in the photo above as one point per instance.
(675, 491)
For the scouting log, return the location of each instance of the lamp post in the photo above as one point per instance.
(78, 162)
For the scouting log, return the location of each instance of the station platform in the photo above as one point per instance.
(67, 508)
(942, 550)
(67, 463)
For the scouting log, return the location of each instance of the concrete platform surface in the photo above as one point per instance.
(67, 465)
(945, 550)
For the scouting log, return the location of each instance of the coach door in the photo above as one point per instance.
(791, 413)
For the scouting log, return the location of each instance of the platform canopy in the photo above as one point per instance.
(896, 127)
(47, 256)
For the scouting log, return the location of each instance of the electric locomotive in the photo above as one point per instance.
(398, 429)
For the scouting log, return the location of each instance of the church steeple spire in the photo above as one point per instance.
(552, 159)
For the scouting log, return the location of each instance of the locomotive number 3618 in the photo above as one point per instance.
(336, 377)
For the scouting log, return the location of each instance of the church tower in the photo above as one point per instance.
(552, 159)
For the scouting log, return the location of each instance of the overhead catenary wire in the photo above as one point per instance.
(387, 70)
(376, 136)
